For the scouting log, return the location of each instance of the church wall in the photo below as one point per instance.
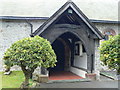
(13, 30)
(102, 27)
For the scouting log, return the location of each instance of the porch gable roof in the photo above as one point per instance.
(68, 4)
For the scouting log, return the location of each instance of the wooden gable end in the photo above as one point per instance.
(74, 16)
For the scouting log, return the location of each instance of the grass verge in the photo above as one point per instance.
(13, 80)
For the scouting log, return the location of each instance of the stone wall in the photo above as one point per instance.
(107, 26)
(102, 27)
(13, 30)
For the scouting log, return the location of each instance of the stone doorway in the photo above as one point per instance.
(63, 53)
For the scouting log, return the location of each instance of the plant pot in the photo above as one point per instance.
(43, 78)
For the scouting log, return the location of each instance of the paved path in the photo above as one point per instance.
(103, 83)
(92, 84)
(110, 74)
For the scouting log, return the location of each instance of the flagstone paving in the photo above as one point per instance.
(64, 75)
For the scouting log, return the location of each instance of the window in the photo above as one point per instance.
(77, 48)
(108, 32)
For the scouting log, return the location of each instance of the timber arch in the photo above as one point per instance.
(75, 34)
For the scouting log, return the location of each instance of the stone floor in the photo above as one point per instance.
(64, 75)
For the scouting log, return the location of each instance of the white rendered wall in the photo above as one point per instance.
(80, 60)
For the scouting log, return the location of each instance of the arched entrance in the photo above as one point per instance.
(81, 57)
(63, 53)
(64, 47)
(59, 49)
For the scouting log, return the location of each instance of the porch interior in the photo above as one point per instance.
(64, 49)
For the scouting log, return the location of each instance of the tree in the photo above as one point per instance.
(29, 53)
(110, 53)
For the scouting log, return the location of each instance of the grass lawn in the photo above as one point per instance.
(13, 80)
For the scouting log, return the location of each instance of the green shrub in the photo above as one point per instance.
(110, 53)
(29, 53)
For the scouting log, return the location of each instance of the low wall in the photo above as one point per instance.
(77, 71)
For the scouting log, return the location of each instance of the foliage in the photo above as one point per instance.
(29, 53)
(110, 52)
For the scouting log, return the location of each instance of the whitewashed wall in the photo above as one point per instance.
(13, 30)
(81, 61)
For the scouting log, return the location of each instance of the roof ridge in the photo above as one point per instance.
(69, 1)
